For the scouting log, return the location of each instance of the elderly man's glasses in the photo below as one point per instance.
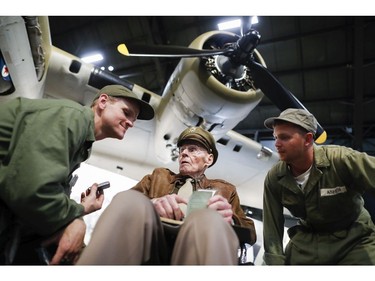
(191, 149)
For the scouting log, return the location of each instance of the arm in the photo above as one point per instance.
(144, 185)
(159, 188)
(69, 241)
(273, 223)
(240, 218)
(358, 169)
(70, 238)
(40, 163)
(222, 206)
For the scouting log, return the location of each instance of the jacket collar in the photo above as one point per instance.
(177, 179)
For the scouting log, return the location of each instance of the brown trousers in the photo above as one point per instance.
(129, 232)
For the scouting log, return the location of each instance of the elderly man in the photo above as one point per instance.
(42, 142)
(322, 186)
(130, 230)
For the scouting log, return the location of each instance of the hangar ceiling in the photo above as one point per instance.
(327, 62)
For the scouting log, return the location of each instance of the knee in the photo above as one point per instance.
(130, 200)
(205, 219)
(205, 214)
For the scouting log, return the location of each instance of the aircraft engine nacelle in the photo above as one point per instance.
(24, 55)
(206, 92)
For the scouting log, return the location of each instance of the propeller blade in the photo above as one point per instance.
(279, 95)
(167, 51)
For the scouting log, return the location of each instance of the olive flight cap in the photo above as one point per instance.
(146, 111)
(203, 137)
(299, 117)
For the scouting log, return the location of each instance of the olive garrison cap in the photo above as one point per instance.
(299, 117)
(146, 112)
(203, 137)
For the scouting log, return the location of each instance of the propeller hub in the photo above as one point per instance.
(244, 47)
(226, 67)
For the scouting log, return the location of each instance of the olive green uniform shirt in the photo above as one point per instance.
(41, 143)
(331, 200)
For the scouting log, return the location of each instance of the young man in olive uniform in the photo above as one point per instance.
(42, 142)
(322, 186)
(130, 230)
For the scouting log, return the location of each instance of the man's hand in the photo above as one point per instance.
(167, 206)
(92, 200)
(220, 204)
(69, 241)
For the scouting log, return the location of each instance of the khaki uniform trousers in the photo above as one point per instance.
(129, 232)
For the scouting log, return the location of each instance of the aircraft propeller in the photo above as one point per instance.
(166, 51)
(234, 58)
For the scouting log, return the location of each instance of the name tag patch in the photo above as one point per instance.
(332, 191)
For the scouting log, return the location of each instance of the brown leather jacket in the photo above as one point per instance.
(163, 181)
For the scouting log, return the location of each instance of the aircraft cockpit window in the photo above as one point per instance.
(75, 66)
(237, 148)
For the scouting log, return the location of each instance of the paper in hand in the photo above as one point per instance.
(198, 199)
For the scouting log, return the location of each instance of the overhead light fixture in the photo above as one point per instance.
(92, 58)
(229, 24)
(236, 23)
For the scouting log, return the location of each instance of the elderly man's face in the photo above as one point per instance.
(194, 159)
